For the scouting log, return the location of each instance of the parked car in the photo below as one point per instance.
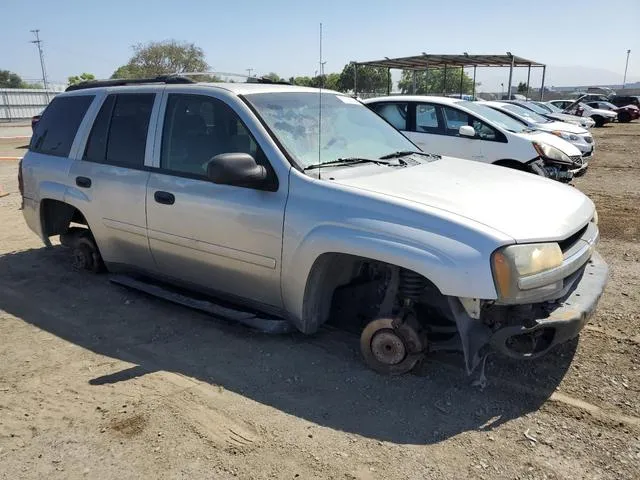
(577, 136)
(474, 131)
(586, 122)
(554, 113)
(625, 114)
(572, 107)
(239, 192)
(622, 100)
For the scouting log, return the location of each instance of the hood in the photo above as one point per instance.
(521, 205)
(564, 127)
(565, 117)
(553, 140)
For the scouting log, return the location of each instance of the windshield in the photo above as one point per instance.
(497, 118)
(349, 129)
(524, 113)
(553, 107)
(536, 108)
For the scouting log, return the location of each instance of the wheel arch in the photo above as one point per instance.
(458, 270)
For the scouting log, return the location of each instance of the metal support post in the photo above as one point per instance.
(544, 72)
(510, 79)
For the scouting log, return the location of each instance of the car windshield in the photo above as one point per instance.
(536, 108)
(609, 105)
(524, 113)
(349, 129)
(553, 108)
(498, 119)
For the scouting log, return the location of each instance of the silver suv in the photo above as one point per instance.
(299, 207)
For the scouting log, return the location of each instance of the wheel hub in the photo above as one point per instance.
(388, 348)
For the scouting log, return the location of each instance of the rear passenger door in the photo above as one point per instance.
(109, 182)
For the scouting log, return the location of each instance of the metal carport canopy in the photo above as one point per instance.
(426, 61)
(420, 62)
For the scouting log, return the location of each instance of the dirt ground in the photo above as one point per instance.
(97, 381)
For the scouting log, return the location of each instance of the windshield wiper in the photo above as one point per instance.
(345, 161)
(404, 153)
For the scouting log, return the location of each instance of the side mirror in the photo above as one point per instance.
(467, 131)
(239, 169)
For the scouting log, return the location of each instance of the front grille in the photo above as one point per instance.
(569, 242)
(576, 159)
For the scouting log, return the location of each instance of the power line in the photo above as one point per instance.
(38, 43)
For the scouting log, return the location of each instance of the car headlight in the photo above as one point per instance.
(510, 264)
(566, 135)
(552, 153)
(595, 217)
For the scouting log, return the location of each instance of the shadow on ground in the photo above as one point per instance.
(319, 378)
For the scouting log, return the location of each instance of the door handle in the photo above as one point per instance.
(83, 182)
(165, 198)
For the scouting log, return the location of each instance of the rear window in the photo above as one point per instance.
(55, 131)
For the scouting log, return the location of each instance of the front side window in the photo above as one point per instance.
(454, 119)
(427, 118)
(349, 129)
(394, 113)
(199, 127)
(56, 130)
(119, 133)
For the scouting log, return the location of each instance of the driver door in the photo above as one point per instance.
(222, 238)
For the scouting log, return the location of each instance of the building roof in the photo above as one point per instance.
(421, 62)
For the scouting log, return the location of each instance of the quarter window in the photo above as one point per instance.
(196, 129)
(56, 130)
(394, 113)
(119, 133)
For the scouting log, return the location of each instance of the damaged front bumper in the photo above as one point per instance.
(529, 331)
(551, 324)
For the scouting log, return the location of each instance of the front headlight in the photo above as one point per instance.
(566, 135)
(552, 153)
(595, 217)
(510, 264)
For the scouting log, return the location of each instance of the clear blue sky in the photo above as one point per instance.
(282, 35)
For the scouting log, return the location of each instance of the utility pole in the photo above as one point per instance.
(624, 81)
(38, 43)
(249, 70)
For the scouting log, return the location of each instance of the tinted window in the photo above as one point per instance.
(426, 118)
(394, 113)
(119, 133)
(196, 129)
(454, 119)
(96, 148)
(59, 124)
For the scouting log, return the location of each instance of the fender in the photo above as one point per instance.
(453, 266)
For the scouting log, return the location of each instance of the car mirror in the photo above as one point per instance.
(467, 131)
(239, 169)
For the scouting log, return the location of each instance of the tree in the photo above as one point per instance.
(10, 80)
(432, 81)
(274, 77)
(162, 58)
(522, 88)
(84, 77)
(370, 79)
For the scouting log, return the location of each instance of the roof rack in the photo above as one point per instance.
(248, 79)
(117, 82)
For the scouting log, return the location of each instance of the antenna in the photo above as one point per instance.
(38, 43)
(320, 107)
